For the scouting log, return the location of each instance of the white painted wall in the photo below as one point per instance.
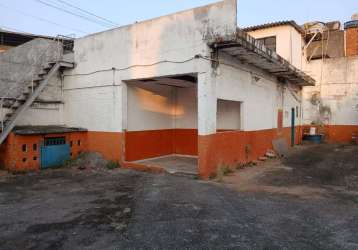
(150, 107)
(42, 115)
(45, 113)
(186, 112)
(292, 99)
(177, 37)
(336, 91)
(154, 106)
(260, 99)
(288, 42)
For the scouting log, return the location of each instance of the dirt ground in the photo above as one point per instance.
(285, 204)
(314, 171)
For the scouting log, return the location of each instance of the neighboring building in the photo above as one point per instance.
(330, 55)
(11, 39)
(332, 105)
(190, 84)
(285, 38)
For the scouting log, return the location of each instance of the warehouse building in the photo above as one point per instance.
(189, 90)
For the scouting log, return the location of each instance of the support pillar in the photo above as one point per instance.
(207, 108)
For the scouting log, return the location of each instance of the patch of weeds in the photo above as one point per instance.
(112, 165)
(219, 174)
(240, 166)
(223, 171)
(212, 176)
(227, 170)
(69, 162)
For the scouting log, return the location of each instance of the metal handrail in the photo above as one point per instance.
(2, 98)
(2, 104)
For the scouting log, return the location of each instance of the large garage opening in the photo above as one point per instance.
(162, 123)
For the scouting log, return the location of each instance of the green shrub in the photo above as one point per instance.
(112, 165)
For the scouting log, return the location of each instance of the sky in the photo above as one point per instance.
(29, 15)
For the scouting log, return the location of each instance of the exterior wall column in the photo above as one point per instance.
(207, 108)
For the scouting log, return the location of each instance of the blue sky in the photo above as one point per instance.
(250, 12)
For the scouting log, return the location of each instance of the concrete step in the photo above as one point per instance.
(184, 174)
(270, 155)
(263, 158)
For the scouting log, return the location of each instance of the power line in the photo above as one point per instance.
(73, 13)
(43, 19)
(89, 13)
(136, 66)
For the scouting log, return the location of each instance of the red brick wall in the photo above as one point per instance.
(22, 152)
(352, 42)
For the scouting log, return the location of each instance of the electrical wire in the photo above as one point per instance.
(43, 19)
(233, 66)
(89, 13)
(133, 66)
(73, 13)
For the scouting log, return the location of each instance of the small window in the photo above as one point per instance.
(34, 158)
(228, 115)
(269, 42)
(79, 142)
(34, 147)
(71, 144)
(24, 147)
(55, 141)
(24, 159)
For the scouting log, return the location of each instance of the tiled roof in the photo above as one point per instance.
(274, 24)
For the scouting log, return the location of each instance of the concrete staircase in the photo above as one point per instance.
(20, 105)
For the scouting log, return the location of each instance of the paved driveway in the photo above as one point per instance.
(121, 209)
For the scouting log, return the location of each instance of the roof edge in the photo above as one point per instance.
(275, 24)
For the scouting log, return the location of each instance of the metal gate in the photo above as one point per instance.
(54, 152)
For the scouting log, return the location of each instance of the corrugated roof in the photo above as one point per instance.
(40, 130)
(12, 38)
(275, 24)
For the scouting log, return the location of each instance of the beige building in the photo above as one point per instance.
(329, 53)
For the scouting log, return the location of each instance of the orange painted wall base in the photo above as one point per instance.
(223, 148)
(233, 147)
(153, 143)
(335, 133)
(109, 144)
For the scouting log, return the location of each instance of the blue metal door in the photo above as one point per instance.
(54, 152)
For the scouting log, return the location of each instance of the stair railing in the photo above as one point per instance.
(2, 100)
(60, 42)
